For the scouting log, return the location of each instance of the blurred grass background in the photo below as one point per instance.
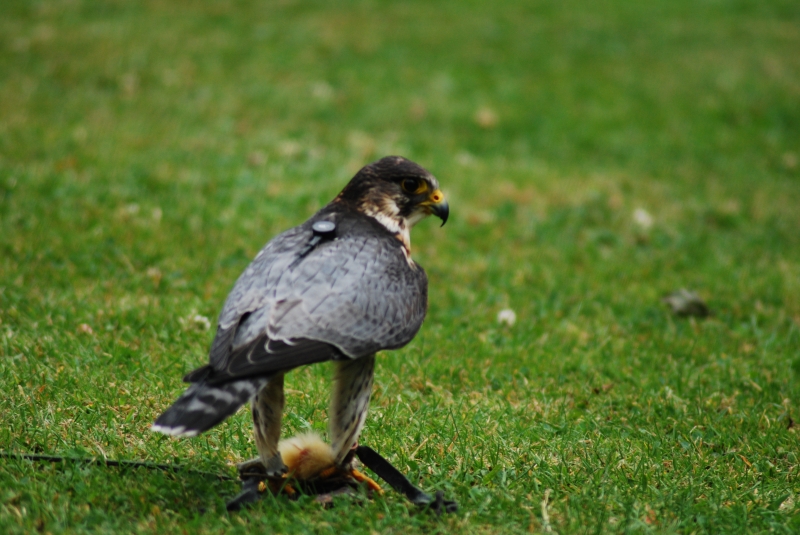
(149, 149)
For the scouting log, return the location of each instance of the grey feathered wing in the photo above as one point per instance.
(348, 297)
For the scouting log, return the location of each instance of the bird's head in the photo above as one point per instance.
(397, 192)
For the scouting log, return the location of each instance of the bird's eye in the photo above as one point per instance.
(413, 185)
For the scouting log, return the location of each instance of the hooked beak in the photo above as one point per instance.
(439, 206)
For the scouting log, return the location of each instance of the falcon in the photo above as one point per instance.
(339, 287)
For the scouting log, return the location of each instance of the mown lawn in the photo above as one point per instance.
(148, 149)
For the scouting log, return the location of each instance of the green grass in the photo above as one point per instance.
(149, 149)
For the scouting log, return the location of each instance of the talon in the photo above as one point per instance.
(363, 478)
(275, 468)
(277, 475)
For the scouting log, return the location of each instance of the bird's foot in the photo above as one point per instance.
(253, 465)
(256, 468)
(257, 478)
(275, 468)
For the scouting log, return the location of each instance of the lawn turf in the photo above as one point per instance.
(148, 149)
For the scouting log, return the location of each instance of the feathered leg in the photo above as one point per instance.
(267, 409)
(349, 403)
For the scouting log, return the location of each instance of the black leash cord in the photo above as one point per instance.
(401, 484)
(251, 492)
(111, 462)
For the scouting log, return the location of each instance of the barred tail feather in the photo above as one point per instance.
(203, 406)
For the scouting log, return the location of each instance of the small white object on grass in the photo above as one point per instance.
(195, 321)
(685, 303)
(642, 218)
(507, 317)
(202, 322)
(84, 328)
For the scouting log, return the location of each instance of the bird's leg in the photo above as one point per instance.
(349, 403)
(267, 408)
